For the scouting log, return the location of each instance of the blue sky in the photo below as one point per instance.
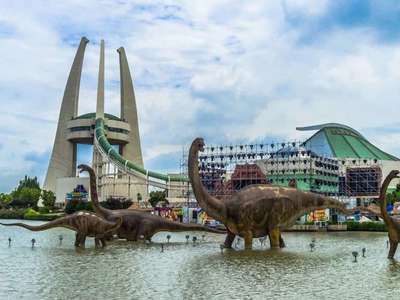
(230, 71)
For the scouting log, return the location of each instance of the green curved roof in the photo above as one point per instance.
(93, 116)
(341, 141)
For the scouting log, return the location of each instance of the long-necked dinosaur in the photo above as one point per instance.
(393, 226)
(137, 225)
(256, 210)
(86, 224)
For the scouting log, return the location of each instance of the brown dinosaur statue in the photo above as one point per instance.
(393, 226)
(86, 224)
(137, 225)
(256, 210)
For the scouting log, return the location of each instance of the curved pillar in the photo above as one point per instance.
(63, 157)
(132, 151)
(100, 84)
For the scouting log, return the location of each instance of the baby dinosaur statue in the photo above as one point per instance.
(83, 222)
(256, 210)
(137, 225)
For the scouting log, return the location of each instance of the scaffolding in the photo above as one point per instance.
(225, 169)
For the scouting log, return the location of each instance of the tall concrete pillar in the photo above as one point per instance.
(100, 84)
(132, 151)
(63, 157)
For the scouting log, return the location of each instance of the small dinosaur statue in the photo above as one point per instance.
(84, 223)
(256, 210)
(137, 225)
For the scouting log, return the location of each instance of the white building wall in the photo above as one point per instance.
(67, 184)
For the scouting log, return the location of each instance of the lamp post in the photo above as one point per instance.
(355, 254)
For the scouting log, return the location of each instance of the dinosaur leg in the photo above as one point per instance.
(392, 249)
(274, 239)
(77, 238)
(229, 240)
(82, 240)
(97, 242)
(248, 240)
(103, 242)
(281, 242)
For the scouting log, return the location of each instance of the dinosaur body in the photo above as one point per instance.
(86, 224)
(256, 210)
(137, 225)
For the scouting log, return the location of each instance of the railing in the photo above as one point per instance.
(148, 177)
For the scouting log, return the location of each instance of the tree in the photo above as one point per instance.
(157, 196)
(5, 200)
(116, 203)
(28, 182)
(49, 199)
(25, 197)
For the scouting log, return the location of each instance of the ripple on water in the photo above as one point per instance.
(133, 270)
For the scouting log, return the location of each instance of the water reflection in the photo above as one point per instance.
(124, 270)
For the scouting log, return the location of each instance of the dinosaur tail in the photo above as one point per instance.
(175, 226)
(52, 224)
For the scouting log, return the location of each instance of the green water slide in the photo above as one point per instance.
(115, 157)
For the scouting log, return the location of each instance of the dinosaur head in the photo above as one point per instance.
(84, 168)
(394, 174)
(198, 143)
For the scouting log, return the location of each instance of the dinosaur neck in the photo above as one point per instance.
(383, 201)
(314, 202)
(94, 197)
(213, 207)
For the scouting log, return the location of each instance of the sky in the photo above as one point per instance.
(229, 71)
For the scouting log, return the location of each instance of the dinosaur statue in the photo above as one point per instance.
(393, 226)
(256, 210)
(137, 225)
(84, 223)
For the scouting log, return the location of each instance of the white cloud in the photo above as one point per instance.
(226, 70)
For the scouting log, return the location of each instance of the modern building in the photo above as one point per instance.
(73, 129)
(336, 161)
(362, 165)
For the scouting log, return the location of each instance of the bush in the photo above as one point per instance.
(41, 217)
(49, 199)
(25, 197)
(116, 203)
(12, 214)
(31, 213)
(77, 205)
(43, 210)
(366, 226)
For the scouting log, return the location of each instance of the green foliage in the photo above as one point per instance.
(77, 205)
(40, 217)
(28, 182)
(43, 210)
(157, 196)
(30, 212)
(116, 203)
(25, 197)
(12, 214)
(365, 226)
(49, 199)
(5, 200)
